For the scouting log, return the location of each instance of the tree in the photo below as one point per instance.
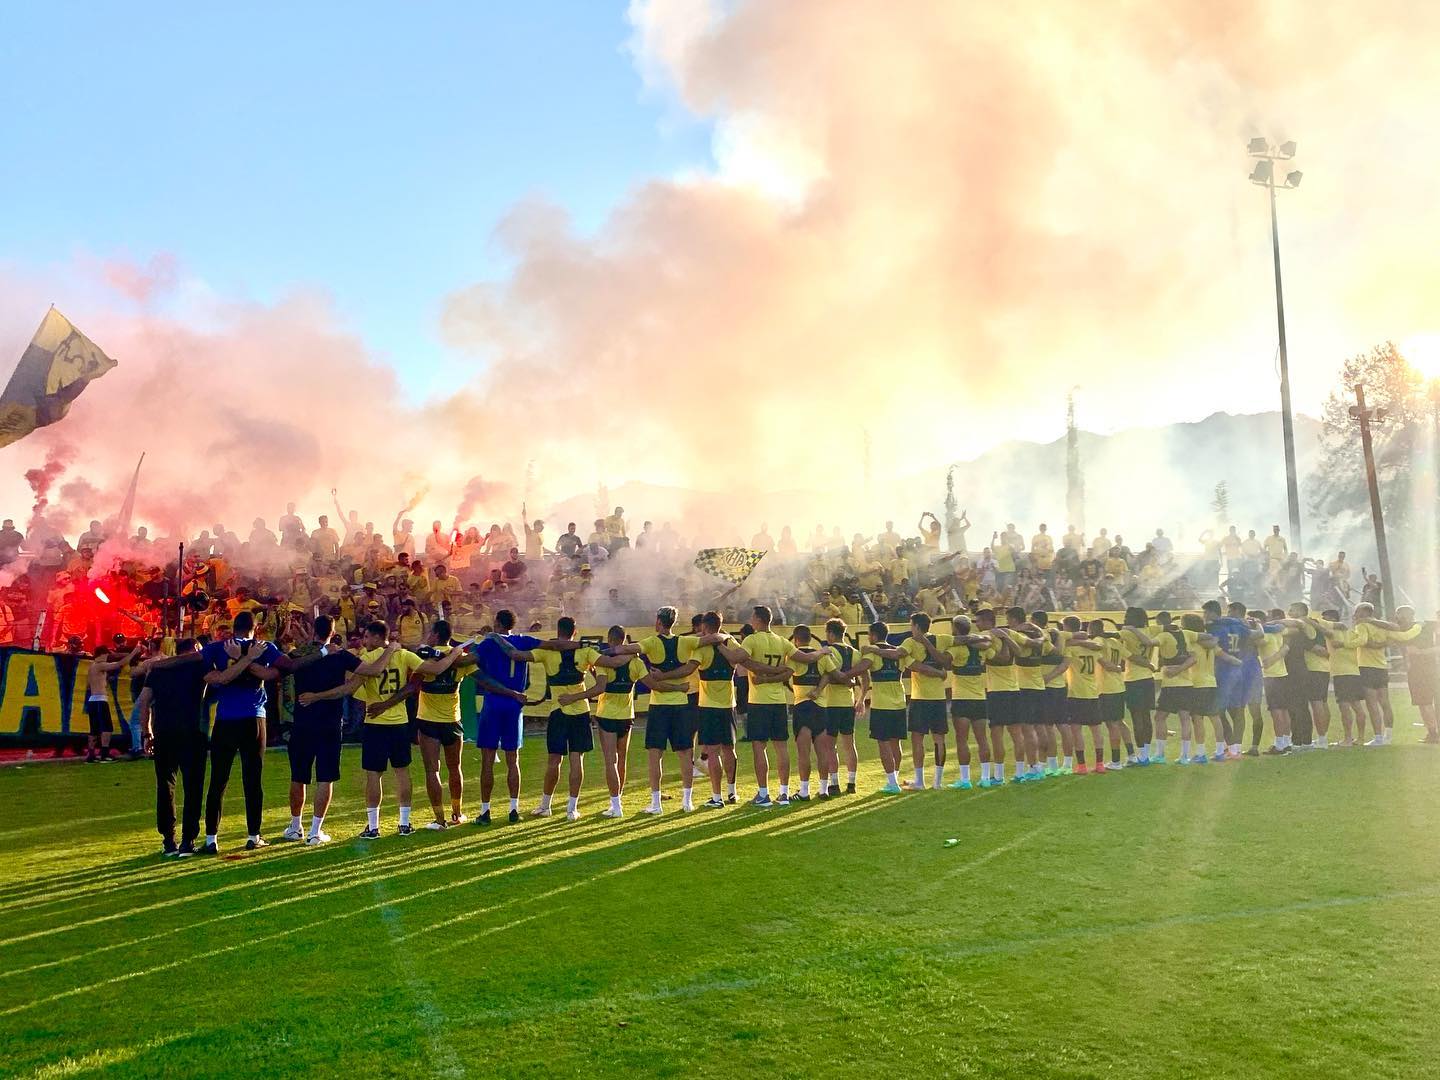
(1221, 504)
(1339, 496)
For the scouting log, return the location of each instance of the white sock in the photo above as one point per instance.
(316, 821)
(687, 798)
(939, 774)
(254, 836)
(655, 799)
(893, 779)
(784, 791)
(404, 815)
(729, 789)
(484, 807)
(372, 816)
(1219, 748)
(851, 775)
(965, 773)
(295, 822)
(1050, 762)
(1144, 752)
(804, 789)
(1235, 749)
(514, 804)
(572, 804)
(1184, 748)
(920, 777)
(1069, 761)
(615, 804)
(210, 838)
(1322, 740)
(763, 792)
(1159, 747)
(997, 770)
(984, 770)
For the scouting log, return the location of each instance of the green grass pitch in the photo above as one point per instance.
(1262, 918)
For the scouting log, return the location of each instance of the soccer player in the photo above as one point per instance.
(716, 659)
(499, 728)
(437, 722)
(1080, 660)
(1053, 705)
(1274, 649)
(97, 701)
(806, 714)
(236, 670)
(1140, 680)
(842, 703)
(1031, 647)
(1112, 692)
(1308, 684)
(967, 698)
(1174, 647)
(1344, 645)
(887, 702)
(315, 735)
(172, 720)
(568, 730)
(615, 717)
(766, 721)
(1204, 692)
(924, 665)
(1420, 644)
(1372, 638)
(1002, 698)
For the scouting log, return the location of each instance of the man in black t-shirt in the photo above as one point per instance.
(172, 720)
(316, 734)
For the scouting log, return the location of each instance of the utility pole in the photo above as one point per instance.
(1264, 175)
(1364, 416)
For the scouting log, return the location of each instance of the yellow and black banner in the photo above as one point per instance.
(42, 697)
(59, 362)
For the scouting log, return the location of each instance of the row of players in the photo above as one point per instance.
(1040, 684)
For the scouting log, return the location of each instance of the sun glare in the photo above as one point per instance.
(1422, 352)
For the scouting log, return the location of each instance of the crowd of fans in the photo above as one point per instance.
(103, 588)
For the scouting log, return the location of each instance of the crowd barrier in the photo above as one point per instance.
(42, 695)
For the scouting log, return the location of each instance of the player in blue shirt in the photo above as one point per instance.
(499, 725)
(236, 671)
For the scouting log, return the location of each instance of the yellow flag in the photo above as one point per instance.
(58, 364)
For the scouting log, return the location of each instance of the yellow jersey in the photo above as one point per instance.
(1317, 651)
(1112, 682)
(766, 647)
(1271, 652)
(841, 695)
(1202, 674)
(1083, 673)
(396, 674)
(1054, 650)
(716, 677)
(618, 700)
(925, 687)
(1134, 652)
(999, 678)
(887, 691)
(1370, 646)
(537, 695)
(565, 674)
(667, 652)
(439, 694)
(806, 677)
(1030, 660)
(1170, 649)
(1345, 650)
(967, 672)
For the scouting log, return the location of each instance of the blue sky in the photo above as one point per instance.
(365, 148)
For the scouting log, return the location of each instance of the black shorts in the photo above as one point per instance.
(767, 722)
(1204, 700)
(886, 724)
(839, 720)
(1317, 685)
(1052, 705)
(1349, 688)
(1000, 707)
(446, 734)
(1422, 690)
(569, 734)
(1174, 699)
(928, 717)
(1277, 693)
(971, 709)
(1375, 678)
(1112, 708)
(1084, 711)
(1140, 696)
(98, 713)
(717, 726)
(807, 714)
(383, 746)
(614, 727)
(1030, 706)
(314, 747)
(670, 725)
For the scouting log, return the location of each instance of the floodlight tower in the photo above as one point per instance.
(1264, 175)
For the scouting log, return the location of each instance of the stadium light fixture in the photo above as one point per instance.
(1264, 174)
